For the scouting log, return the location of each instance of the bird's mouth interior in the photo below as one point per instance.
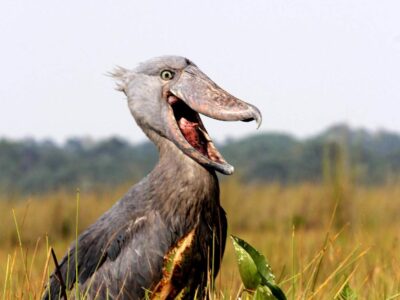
(193, 130)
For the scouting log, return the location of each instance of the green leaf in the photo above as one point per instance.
(347, 293)
(247, 267)
(263, 293)
(276, 291)
(253, 268)
(260, 261)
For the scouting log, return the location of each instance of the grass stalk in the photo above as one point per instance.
(26, 279)
(293, 264)
(76, 245)
(325, 247)
(6, 278)
(346, 281)
(45, 273)
(396, 296)
(341, 266)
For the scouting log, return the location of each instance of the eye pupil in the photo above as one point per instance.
(167, 75)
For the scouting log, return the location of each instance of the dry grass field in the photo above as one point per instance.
(317, 238)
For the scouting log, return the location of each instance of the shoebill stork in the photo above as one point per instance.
(167, 234)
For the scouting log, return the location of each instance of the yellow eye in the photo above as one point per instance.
(167, 75)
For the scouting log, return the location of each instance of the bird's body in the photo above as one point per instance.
(167, 234)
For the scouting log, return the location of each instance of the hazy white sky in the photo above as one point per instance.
(305, 64)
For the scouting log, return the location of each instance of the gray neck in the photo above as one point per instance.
(179, 187)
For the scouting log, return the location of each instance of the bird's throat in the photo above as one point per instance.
(185, 186)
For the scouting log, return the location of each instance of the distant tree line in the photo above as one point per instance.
(29, 166)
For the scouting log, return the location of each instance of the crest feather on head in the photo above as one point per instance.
(120, 75)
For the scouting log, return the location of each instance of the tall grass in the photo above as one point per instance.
(313, 255)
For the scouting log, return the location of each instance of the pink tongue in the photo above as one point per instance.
(190, 132)
(172, 99)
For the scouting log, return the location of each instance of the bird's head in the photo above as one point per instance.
(167, 94)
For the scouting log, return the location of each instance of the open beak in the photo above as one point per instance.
(195, 93)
